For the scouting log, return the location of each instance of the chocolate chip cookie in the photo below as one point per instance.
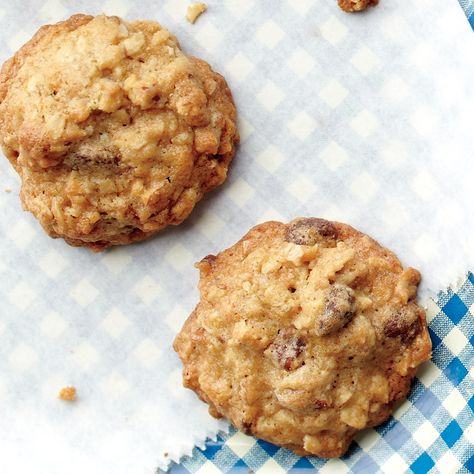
(305, 334)
(115, 132)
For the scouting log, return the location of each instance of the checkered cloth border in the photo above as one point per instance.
(433, 431)
(468, 7)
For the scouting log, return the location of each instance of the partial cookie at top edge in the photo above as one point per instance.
(352, 6)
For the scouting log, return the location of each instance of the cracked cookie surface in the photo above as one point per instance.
(115, 132)
(305, 334)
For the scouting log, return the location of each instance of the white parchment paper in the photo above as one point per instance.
(365, 119)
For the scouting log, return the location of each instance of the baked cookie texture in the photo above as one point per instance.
(115, 132)
(356, 5)
(305, 334)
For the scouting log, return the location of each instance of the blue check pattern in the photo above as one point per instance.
(435, 434)
(468, 7)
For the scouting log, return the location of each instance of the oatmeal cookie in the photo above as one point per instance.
(115, 132)
(305, 334)
(356, 5)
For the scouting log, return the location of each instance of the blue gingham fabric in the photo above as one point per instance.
(468, 7)
(432, 431)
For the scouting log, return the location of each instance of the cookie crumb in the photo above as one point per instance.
(356, 5)
(8, 190)
(195, 10)
(67, 394)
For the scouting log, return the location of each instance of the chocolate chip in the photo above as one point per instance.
(338, 311)
(309, 231)
(404, 324)
(209, 259)
(207, 264)
(286, 349)
(247, 427)
(319, 404)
